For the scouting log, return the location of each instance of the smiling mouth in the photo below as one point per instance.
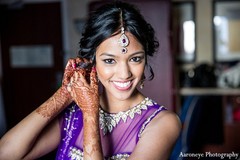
(122, 85)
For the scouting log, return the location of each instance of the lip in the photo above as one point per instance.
(122, 85)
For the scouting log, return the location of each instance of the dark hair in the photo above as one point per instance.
(109, 19)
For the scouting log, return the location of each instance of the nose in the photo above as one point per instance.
(124, 71)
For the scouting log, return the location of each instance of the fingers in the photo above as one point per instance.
(84, 65)
(80, 66)
(68, 72)
(74, 82)
(93, 79)
(79, 61)
(71, 64)
(70, 68)
(78, 80)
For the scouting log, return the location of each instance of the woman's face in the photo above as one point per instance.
(118, 72)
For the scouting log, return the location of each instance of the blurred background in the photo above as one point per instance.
(197, 67)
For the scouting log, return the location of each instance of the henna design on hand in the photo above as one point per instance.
(84, 93)
(62, 97)
(54, 104)
(80, 64)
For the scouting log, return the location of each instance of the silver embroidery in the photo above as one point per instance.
(148, 120)
(119, 157)
(108, 121)
(69, 128)
(77, 154)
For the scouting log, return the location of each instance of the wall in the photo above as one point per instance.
(72, 10)
(204, 44)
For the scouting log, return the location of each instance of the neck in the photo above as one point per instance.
(114, 105)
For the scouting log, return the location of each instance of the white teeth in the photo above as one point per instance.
(122, 85)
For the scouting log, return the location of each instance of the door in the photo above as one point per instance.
(31, 48)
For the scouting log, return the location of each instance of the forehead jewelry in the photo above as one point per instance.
(124, 41)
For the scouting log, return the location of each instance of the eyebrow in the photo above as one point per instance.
(112, 55)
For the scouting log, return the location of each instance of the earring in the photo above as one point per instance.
(142, 84)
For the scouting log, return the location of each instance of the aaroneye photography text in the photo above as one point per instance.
(229, 155)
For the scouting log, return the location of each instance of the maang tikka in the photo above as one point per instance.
(123, 40)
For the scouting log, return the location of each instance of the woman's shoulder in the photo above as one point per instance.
(167, 121)
(165, 127)
(166, 115)
(169, 117)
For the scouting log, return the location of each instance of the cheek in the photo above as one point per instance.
(139, 71)
(104, 73)
(140, 74)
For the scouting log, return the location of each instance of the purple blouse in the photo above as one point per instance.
(120, 132)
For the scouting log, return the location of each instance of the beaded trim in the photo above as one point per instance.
(108, 121)
(149, 119)
(77, 154)
(69, 126)
(119, 157)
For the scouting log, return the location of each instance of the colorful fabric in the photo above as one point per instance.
(120, 132)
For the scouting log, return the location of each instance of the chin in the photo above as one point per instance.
(126, 95)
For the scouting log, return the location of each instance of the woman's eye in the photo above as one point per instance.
(136, 59)
(109, 61)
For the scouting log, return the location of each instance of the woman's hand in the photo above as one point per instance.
(85, 94)
(71, 66)
(83, 91)
(81, 82)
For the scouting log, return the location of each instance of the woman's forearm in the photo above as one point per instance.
(91, 142)
(18, 141)
(54, 104)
